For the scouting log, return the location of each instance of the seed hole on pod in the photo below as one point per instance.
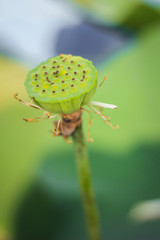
(58, 66)
(83, 76)
(72, 61)
(72, 85)
(81, 80)
(78, 65)
(68, 67)
(54, 61)
(37, 85)
(46, 73)
(63, 90)
(63, 81)
(53, 91)
(84, 71)
(43, 90)
(53, 66)
(35, 79)
(66, 74)
(36, 75)
(75, 73)
(44, 66)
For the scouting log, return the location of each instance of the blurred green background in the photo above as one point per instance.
(39, 190)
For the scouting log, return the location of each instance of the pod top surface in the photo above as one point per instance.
(60, 78)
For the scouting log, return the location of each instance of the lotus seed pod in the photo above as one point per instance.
(62, 84)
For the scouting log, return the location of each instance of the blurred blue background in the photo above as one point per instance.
(39, 192)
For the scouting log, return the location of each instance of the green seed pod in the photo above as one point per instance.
(62, 84)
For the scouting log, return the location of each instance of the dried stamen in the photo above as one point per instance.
(104, 117)
(66, 58)
(102, 82)
(25, 103)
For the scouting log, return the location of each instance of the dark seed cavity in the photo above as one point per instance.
(81, 80)
(84, 71)
(73, 79)
(35, 79)
(83, 76)
(72, 85)
(45, 73)
(75, 72)
(58, 66)
(44, 66)
(69, 68)
(53, 91)
(63, 81)
(36, 75)
(43, 90)
(37, 85)
(62, 90)
(66, 74)
(53, 66)
(79, 65)
(54, 61)
(72, 61)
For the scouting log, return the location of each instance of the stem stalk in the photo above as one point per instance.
(85, 180)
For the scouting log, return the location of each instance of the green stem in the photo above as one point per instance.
(89, 202)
